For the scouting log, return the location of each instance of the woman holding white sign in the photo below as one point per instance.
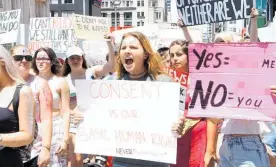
(47, 66)
(75, 67)
(138, 62)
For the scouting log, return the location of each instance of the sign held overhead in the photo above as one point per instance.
(196, 12)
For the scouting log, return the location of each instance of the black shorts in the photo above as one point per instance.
(10, 157)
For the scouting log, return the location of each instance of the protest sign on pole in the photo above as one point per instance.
(130, 119)
(9, 26)
(204, 12)
(233, 81)
(53, 32)
(90, 27)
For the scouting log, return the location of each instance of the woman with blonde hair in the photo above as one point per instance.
(138, 62)
(47, 66)
(40, 148)
(16, 112)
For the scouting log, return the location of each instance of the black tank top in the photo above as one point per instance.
(9, 119)
(10, 157)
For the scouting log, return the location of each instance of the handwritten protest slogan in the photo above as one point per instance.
(54, 32)
(181, 78)
(9, 26)
(130, 119)
(233, 81)
(195, 12)
(90, 27)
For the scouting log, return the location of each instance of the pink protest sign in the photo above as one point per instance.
(233, 81)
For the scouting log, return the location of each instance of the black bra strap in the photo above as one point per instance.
(15, 102)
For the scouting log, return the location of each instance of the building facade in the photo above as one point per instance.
(135, 12)
(65, 8)
(29, 8)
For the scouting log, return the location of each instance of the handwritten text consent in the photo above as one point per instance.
(127, 90)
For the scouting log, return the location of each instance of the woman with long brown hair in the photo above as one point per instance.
(17, 108)
(47, 66)
(196, 146)
(138, 62)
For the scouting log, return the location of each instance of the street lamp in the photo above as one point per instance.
(115, 4)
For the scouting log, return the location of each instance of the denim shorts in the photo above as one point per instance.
(243, 151)
(270, 141)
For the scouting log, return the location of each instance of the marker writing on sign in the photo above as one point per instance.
(220, 89)
(205, 100)
(248, 102)
(209, 11)
(8, 21)
(123, 113)
(125, 151)
(127, 90)
(268, 63)
(208, 60)
(10, 15)
(87, 134)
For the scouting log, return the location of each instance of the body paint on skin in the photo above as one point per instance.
(30, 111)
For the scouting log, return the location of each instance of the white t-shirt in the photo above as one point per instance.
(235, 126)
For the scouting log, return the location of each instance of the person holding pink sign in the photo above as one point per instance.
(242, 144)
(194, 150)
(192, 145)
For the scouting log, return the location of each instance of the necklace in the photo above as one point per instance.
(137, 76)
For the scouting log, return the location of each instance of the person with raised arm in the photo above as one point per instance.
(196, 146)
(137, 62)
(242, 145)
(75, 67)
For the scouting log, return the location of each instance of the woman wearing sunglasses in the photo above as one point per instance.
(16, 112)
(40, 148)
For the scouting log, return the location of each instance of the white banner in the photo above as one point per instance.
(130, 119)
(9, 26)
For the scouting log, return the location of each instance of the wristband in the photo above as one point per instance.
(66, 142)
(48, 148)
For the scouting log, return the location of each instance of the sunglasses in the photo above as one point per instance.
(21, 57)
